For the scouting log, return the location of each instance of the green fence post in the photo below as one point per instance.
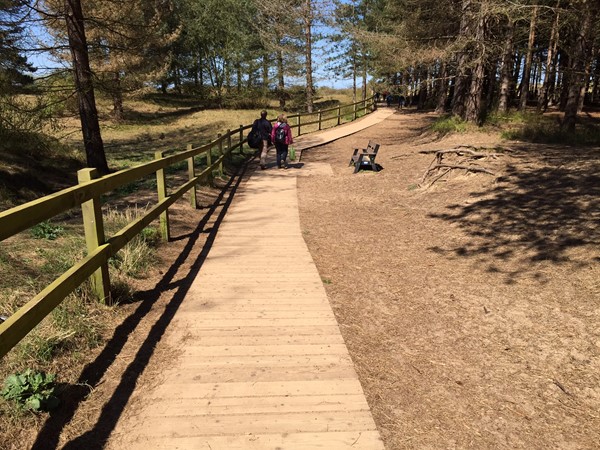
(94, 236)
(241, 139)
(339, 114)
(191, 176)
(299, 115)
(209, 164)
(354, 110)
(161, 187)
(220, 138)
(229, 155)
(320, 117)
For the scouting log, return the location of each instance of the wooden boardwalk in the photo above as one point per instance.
(263, 364)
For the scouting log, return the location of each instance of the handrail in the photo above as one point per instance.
(87, 195)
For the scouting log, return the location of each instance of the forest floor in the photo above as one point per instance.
(471, 307)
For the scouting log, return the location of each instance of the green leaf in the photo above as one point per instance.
(33, 403)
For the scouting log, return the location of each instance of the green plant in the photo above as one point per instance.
(449, 124)
(31, 390)
(45, 230)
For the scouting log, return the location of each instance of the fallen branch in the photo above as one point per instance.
(465, 147)
(439, 154)
(467, 168)
(451, 167)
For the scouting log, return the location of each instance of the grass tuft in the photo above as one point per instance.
(449, 124)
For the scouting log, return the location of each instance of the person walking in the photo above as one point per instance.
(264, 127)
(281, 136)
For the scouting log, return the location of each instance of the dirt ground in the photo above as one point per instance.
(471, 308)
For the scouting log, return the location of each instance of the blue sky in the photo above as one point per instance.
(45, 63)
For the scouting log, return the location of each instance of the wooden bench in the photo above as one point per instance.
(365, 157)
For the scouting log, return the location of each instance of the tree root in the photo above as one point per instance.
(465, 162)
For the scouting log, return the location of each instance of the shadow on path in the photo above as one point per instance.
(536, 212)
(96, 438)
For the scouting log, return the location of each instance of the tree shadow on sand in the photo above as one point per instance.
(546, 208)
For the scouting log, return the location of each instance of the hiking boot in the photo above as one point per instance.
(263, 167)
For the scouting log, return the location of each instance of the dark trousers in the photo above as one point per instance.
(282, 153)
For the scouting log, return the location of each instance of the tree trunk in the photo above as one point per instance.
(565, 80)
(90, 127)
(507, 69)
(177, 79)
(528, 58)
(579, 57)
(474, 110)
(280, 80)
(489, 89)
(365, 66)
(596, 82)
(442, 90)
(585, 85)
(422, 99)
(516, 74)
(462, 71)
(308, 55)
(196, 70)
(542, 105)
(265, 76)
(117, 96)
(353, 77)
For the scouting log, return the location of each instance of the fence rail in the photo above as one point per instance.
(87, 195)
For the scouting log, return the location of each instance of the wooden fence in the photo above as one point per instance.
(88, 193)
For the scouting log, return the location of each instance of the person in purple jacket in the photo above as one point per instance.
(281, 136)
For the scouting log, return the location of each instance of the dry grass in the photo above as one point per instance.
(80, 325)
(162, 123)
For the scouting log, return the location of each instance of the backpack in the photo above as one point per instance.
(280, 134)
(254, 137)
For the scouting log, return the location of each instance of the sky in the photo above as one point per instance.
(322, 77)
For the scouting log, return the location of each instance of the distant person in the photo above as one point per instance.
(401, 101)
(389, 99)
(281, 136)
(377, 97)
(263, 127)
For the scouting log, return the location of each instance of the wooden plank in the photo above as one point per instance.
(285, 339)
(347, 440)
(196, 351)
(171, 407)
(236, 322)
(253, 361)
(240, 374)
(326, 421)
(225, 314)
(269, 331)
(245, 306)
(174, 387)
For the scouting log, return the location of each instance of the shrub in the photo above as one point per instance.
(449, 124)
(31, 390)
(45, 230)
